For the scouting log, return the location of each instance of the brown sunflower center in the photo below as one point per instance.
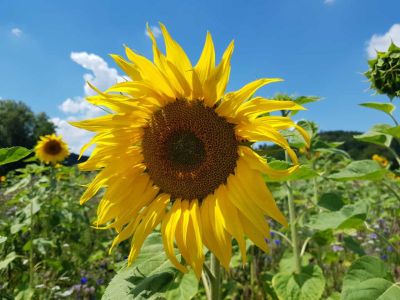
(189, 150)
(52, 147)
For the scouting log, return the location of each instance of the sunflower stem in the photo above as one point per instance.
(206, 285)
(292, 221)
(31, 271)
(215, 279)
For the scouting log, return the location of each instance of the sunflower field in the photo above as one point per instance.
(194, 192)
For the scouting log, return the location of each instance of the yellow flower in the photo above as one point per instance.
(381, 160)
(2, 178)
(51, 149)
(175, 152)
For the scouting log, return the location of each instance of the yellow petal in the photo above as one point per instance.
(253, 185)
(233, 100)
(206, 63)
(252, 232)
(181, 231)
(256, 162)
(153, 216)
(257, 106)
(168, 230)
(215, 85)
(195, 238)
(232, 224)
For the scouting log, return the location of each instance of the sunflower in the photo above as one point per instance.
(51, 149)
(381, 160)
(175, 152)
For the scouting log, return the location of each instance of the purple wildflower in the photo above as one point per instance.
(337, 248)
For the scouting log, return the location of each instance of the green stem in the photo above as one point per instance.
(392, 190)
(394, 154)
(283, 236)
(215, 280)
(206, 285)
(292, 221)
(394, 120)
(293, 231)
(31, 271)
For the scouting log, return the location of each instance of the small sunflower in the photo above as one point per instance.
(381, 160)
(51, 149)
(176, 152)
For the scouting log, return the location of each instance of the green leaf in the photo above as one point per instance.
(149, 277)
(393, 131)
(185, 286)
(387, 108)
(13, 154)
(360, 170)
(287, 262)
(308, 285)
(334, 151)
(334, 296)
(368, 278)
(349, 216)
(377, 138)
(9, 258)
(3, 239)
(353, 245)
(303, 172)
(304, 100)
(331, 201)
(374, 289)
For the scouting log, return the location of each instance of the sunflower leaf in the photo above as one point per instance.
(369, 278)
(387, 108)
(349, 216)
(151, 276)
(309, 284)
(13, 154)
(360, 170)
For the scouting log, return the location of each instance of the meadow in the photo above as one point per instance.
(345, 214)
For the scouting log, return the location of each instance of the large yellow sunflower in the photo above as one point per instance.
(51, 149)
(176, 151)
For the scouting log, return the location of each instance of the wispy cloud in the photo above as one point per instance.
(16, 32)
(77, 108)
(156, 31)
(382, 42)
(329, 2)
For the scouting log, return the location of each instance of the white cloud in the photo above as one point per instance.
(81, 107)
(77, 108)
(329, 2)
(156, 31)
(382, 42)
(101, 76)
(16, 32)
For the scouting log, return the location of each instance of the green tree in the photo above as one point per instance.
(19, 126)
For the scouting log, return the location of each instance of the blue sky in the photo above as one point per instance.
(318, 46)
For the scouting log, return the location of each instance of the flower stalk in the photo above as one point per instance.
(292, 221)
(215, 281)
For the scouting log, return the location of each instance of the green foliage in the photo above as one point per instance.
(349, 216)
(13, 154)
(387, 108)
(384, 72)
(307, 285)
(19, 126)
(40, 213)
(151, 276)
(363, 169)
(369, 278)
